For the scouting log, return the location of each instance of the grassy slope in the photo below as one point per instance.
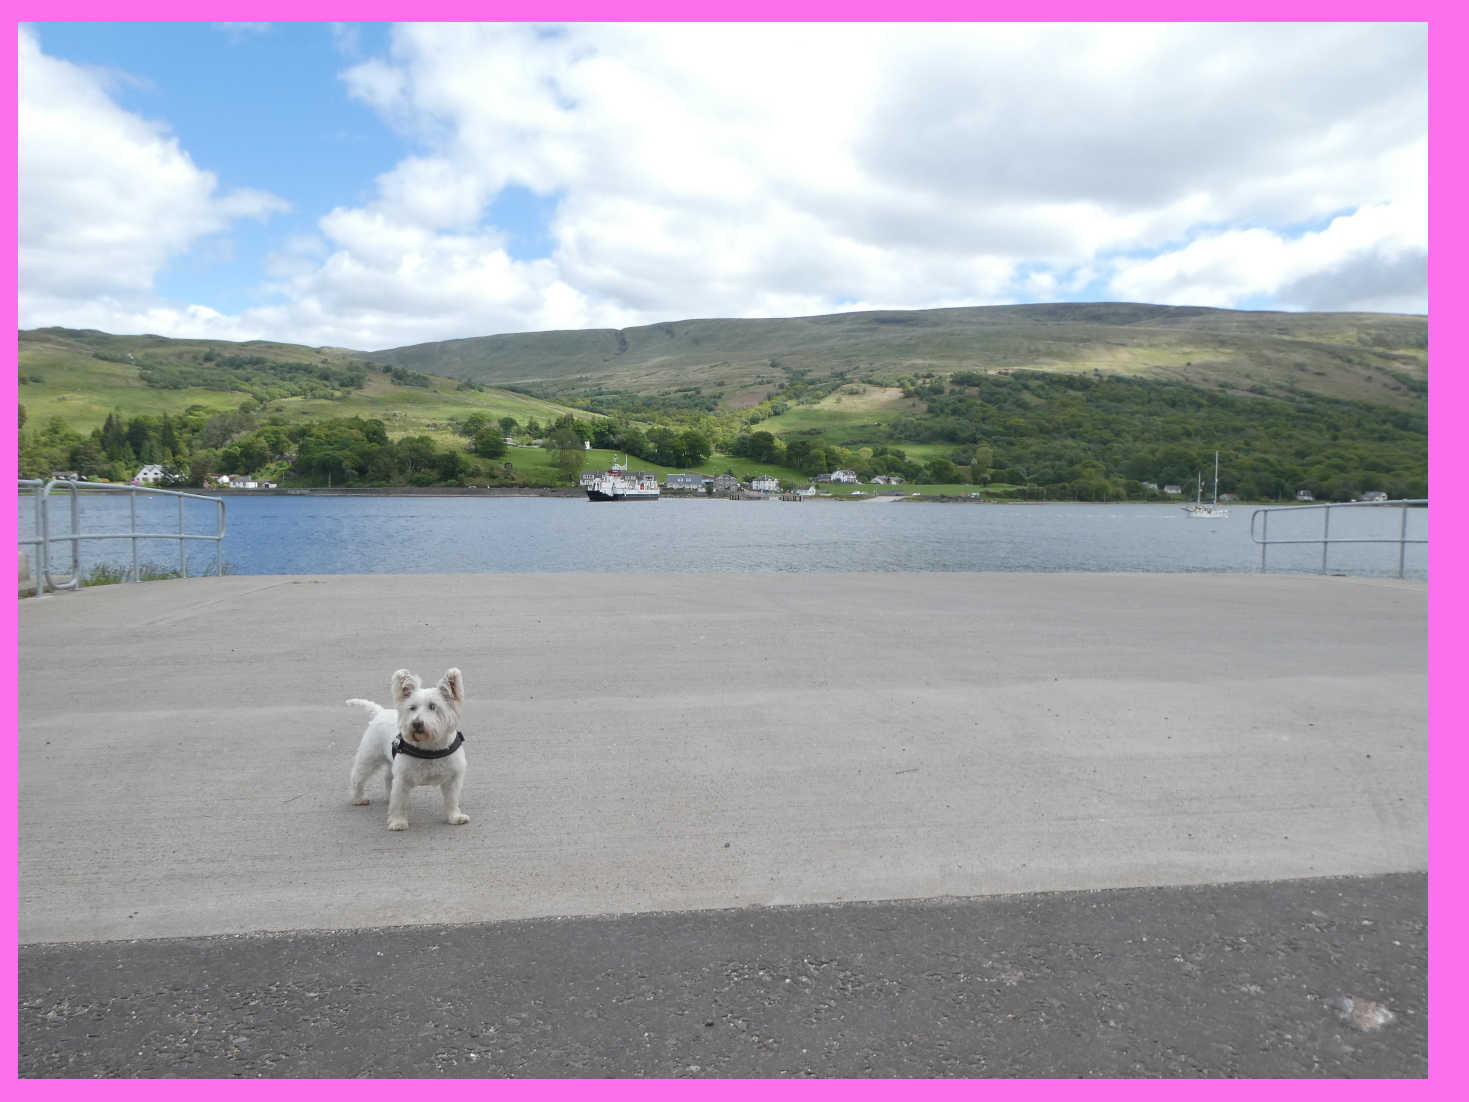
(1363, 357)
(60, 376)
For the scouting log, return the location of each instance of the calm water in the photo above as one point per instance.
(403, 535)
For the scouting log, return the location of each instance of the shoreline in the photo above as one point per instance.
(578, 492)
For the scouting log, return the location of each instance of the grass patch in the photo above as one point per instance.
(112, 574)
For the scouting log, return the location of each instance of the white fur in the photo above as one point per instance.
(426, 718)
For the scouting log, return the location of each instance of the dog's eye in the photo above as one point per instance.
(432, 706)
(413, 707)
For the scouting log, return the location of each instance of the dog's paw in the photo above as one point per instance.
(397, 824)
(458, 819)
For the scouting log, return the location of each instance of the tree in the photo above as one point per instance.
(168, 439)
(201, 466)
(451, 465)
(489, 443)
(87, 458)
(142, 438)
(942, 470)
(566, 452)
(473, 425)
(694, 446)
(253, 454)
(508, 425)
(114, 440)
(665, 447)
(764, 447)
(416, 453)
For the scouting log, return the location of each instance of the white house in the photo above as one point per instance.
(149, 474)
(844, 476)
(765, 484)
(1305, 495)
(1172, 489)
(691, 483)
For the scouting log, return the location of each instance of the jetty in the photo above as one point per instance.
(824, 824)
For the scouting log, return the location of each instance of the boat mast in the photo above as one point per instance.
(1216, 478)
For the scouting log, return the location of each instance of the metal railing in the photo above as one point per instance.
(43, 539)
(1326, 539)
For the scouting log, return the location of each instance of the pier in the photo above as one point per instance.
(683, 781)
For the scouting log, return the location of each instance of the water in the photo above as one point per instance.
(406, 535)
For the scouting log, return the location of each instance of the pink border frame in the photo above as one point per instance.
(1445, 715)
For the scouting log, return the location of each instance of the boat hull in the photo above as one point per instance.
(599, 495)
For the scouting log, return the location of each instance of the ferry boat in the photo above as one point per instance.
(617, 485)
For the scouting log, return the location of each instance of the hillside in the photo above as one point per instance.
(84, 375)
(1089, 401)
(732, 363)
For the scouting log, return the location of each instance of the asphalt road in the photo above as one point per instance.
(1300, 978)
(698, 755)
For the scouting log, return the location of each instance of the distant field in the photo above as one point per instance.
(852, 406)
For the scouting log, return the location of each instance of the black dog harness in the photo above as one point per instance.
(401, 747)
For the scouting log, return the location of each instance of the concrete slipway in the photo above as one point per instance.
(652, 744)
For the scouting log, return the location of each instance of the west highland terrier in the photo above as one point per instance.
(420, 743)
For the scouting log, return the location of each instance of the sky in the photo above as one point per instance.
(370, 186)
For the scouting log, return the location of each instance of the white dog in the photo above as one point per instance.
(419, 744)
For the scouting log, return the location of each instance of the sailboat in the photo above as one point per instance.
(1207, 510)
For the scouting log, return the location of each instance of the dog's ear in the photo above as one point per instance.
(452, 686)
(405, 684)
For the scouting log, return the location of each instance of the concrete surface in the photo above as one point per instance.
(1296, 978)
(650, 743)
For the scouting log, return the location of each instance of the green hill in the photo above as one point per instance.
(83, 375)
(734, 363)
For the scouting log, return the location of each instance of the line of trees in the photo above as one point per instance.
(199, 443)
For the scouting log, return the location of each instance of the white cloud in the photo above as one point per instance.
(747, 170)
(715, 170)
(106, 198)
(1374, 259)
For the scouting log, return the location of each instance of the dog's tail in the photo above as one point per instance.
(370, 705)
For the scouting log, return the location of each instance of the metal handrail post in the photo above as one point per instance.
(1264, 540)
(219, 540)
(1402, 539)
(74, 581)
(183, 547)
(133, 526)
(1325, 536)
(38, 537)
(76, 543)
